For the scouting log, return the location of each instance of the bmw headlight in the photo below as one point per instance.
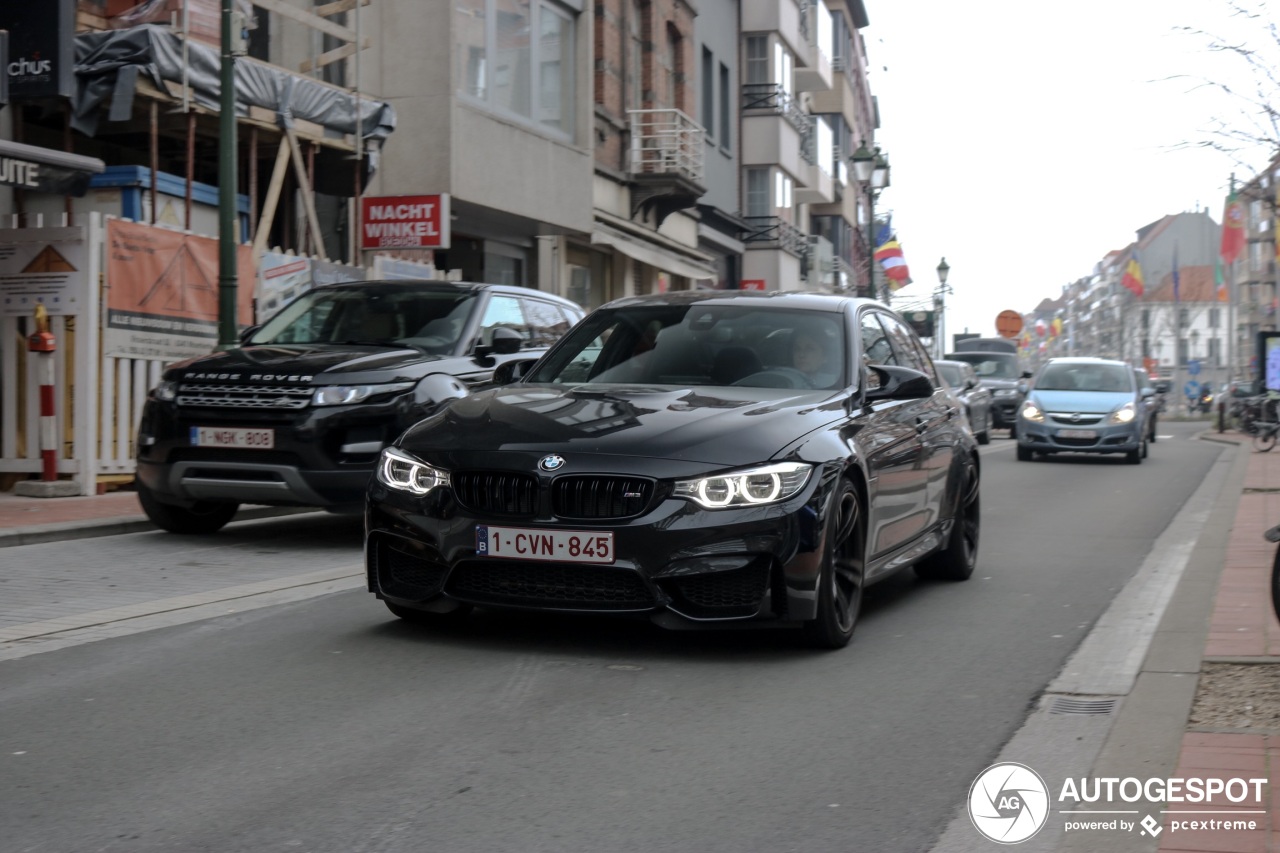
(1031, 412)
(166, 390)
(337, 395)
(401, 471)
(1125, 414)
(747, 487)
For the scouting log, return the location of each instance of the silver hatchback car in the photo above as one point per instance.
(1084, 405)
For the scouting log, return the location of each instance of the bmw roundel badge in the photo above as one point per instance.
(551, 463)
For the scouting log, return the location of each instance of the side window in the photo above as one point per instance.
(503, 311)
(906, 348)
(875, 343)
(546, 322)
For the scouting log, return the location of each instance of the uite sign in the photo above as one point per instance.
(404, 222)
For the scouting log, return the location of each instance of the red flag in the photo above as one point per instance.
(1232, 229)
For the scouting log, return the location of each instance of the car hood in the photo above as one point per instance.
(305, 363)
(1085, 402)
(716, 426)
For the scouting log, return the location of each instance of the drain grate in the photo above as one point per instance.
(1087, 707)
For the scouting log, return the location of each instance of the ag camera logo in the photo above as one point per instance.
(1008, 803)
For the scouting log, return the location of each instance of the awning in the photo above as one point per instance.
(44, 170)
(647, 252)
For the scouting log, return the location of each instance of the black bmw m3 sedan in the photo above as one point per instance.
(704, 457)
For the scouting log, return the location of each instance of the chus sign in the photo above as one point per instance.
(41, 57)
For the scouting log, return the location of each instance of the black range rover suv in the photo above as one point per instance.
(298, 414)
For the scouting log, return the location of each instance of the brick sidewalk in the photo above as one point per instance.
(1243, 628)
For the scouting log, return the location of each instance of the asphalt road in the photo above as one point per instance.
(327, 725)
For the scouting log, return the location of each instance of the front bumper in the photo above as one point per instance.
(674, 560)
(1049, 437)
(1004, 412)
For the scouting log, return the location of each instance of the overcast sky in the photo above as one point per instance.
(1028, 139)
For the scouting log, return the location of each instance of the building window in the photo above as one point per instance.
(757, 59)
(1182, 351)
(1184, 317)
(1214, 317)
(758, 192)
(519, 59)
(708, 93)
(674, 68)
(782, 68)
(725, 113)
(1215, 352)
(635, 57)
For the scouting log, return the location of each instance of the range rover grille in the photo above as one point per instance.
(219, 396)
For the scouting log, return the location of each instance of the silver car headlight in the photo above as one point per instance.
(1031, 412)
(1125, 414)
(398, 470)
(166, 390)
(337, 395)
(1005, 392)
(747, 487)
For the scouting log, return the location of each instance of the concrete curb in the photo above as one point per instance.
(63, 531)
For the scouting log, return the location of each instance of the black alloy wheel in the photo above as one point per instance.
(957, 560)
(844, 563)
(200, 517)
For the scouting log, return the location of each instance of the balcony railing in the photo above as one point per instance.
(809, 141)
(776, 232)
(775, 99)
(666, 142)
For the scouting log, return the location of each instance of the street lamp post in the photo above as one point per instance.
(940, 308)
(871, 168)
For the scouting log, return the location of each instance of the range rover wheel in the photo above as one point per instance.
(843, 572)
(200, 517)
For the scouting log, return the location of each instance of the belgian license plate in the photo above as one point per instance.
(249, 439)
(561, 546)
(1077, 433)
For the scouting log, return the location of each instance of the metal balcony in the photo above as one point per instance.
(666, 162)
(773, 98)
(773, 232)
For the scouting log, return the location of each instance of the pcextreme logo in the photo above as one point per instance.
(1008, 803)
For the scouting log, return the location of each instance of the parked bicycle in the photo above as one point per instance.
(1246, 412)
(1267, 427)
(1273, 535)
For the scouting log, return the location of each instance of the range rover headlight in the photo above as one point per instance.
(1031, 412)
(1125, 414)
(747, 487)
(167, 390)
(398, 470)
(337, 395)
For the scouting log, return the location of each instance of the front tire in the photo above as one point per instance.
(1264, 440)
(840, 582)
(200, 517)
(956, 561)
(1151, 437)
(1025, 454)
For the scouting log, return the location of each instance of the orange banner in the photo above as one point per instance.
(162, 292)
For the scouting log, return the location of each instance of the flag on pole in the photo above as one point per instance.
(1232, 229)
(1176, 279)
(889, 254)
(1132, 277)
(1220, 283)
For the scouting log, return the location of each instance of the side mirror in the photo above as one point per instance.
(1023, 388)
(891, 382)
(970, 383)
(1148, 393)
(513, 371)
(1027, 374)
(504, 342)
(247, 332)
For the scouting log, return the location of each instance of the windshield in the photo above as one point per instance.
(694, 345)
(1085, 377)
(391, 315)
(988, 365)
(951, 374)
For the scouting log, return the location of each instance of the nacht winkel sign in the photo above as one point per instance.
(41, 62)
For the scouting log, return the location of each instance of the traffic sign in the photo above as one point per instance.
(1008, 324)
(1192, 388)
(1193, 367)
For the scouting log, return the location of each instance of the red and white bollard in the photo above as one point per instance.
(43, 344)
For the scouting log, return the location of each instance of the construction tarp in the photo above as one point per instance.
(108, 64)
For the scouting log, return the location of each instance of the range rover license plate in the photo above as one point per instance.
(247, 439)
(559, 546)
(1077, 433)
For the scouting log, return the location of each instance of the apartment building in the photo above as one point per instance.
(1255, 274)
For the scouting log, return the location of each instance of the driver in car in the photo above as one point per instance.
(810, 356)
